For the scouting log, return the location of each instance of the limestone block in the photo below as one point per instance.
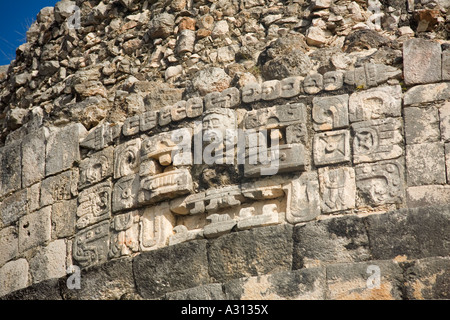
(337, 189)
(10, 168)
(178, 111)
(165, 116)
(125, 193)
(331, 147)
(34, 195)
(446, 65)
(291, 87)
(333, 80)
(35, 229)
(380, 183)
(425, 196)
(330, 113)
(148, 120)
(219, 224)
(63, 148)
(14, 207)
(49, 262)
(425, 164)
(33, 157)
(228, 98)
(375, 103)
(64, 217)
(251, 92)
(297, 133)
(270, 90)
(127, 158)
(131, 126)
(194, 107)
(211, 291)
(377, 140)
(370, 75)
(185, 41)
(94, 204)
(157, 223)
(13, 276)
(96, 167)
(427, 93)
(276, 117)
(447, 160)
(421, 61)
(249, 217)
(91, 245)
(313, 83)
(125, 235)
(101, 136)
(421, 125)
(303, 199)
(444, 117)
(9, 244)
(60, 187)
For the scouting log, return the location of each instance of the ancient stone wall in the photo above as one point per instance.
(335, 119)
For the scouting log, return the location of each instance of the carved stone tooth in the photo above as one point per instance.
(313, 83)
(291, 87)
(251, 92)
(271, 90)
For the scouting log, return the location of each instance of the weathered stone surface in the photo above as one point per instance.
(110, 281)
(251, 92)
(427, 93)
(330, 113)
(337, 189)
(186, 41)
(13, 276)
(416, 233)
(91, 245)
(35, 229)
(148, 120)
(447, 160)
(255, 252)
(210, 80)
(337, 240)
(33, 157)
(102, 135)
(156, 226)
(421, 125)
(444, 117)
(94, 204)
(375, 103)
(332, 147)
(313, 83)
(9, 244)
(161, 26)
(63, 148)
(380, 183)
(446, 65)
(60, 187)
(211, 291)
(125, 193)
(424, 196)
(127, 158)
(63, 10)
(276, 117)
(425, 164)
(131, 125)
(421, 61)
(14, 207)
(171, 269)
(370, 75)
(45, 290)
(10, 168)
(64, 218)
(125, 235)
(377, 140)
(96, 167)
(353, 282)
(306, 284)
(428, 279)
(49, 262)
(228, 98)
(333, 80)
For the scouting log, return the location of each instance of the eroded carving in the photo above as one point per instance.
(125, 236)
(313, 83)
(330, 113)
(127, 158)
(332, 147)
(90, 245)
(94, 205)
(276, 117)
(370, 75)
(333, 80)
(228, 98)
(220, 224)
(271, 90)
(131, 126)
(157, 223)
(101, 136)
(96, 167)
(337, 189)
(251, 92)
(125, 193)
(291, 87)
(148, 120)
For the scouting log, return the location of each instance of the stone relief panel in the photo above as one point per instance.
(125, 193)
(91, 245)
(331, 147)
(330, 113)
(94, 205)
(60, 187)
(96, 167)
(124, 235)
(156, 225)
(127, 158)
(337, 189)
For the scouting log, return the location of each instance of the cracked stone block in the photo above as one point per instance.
(375, 140)
(35, 229)
(9, 244)
(33, 157)
(10, 168)
(425, 164)
(13, 276)
(63, 148)
(424, 196)
(421, 125)
(331, 147)
(64, 218)
(337, 189)
(49, 262)
(380, 183)
(444, 116)
(375, 103)
(330, 113)
(427, 93)
(421, 61)
(14, 207)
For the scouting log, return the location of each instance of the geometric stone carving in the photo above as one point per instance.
(60, 187)
(178, 111)
(127, 158)
(330, 113)
(148, 120)
(276, 116)
(63, 148)
(131, 126)
(101, 136)
(91, 245)
(376, 103)
(220, 224)
(94, 205)
(251, 92)
(125, 194)
(377, 140)
(165, 116)
(296, 133)
(380, 183)
(228, 98)
(125, 239)
(331, 147)
(96, 167)
(182, 234)
(421, 61)
(249, 218)
(313, 83)
(370, 75)
(157, 223)
(270, 90)
(291, 87)
(303, 199)
(10, 168)
(333, 80)
(337, 188)
(194, 107)
(35, 229)
(165, 185)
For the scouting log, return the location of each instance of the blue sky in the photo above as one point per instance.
(15, 18)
